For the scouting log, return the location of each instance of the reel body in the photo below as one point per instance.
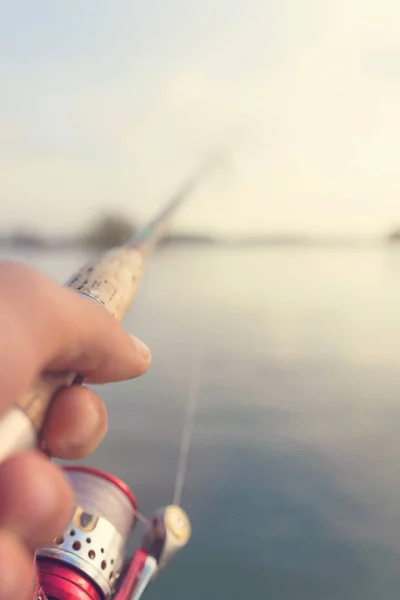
(88, 560)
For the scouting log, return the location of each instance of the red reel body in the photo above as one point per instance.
(88, 560)
(63, 583)
(85, 562)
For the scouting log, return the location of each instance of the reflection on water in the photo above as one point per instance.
(293, 479)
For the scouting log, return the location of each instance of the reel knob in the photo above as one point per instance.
(169, 531)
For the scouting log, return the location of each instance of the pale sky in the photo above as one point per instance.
(113, 103)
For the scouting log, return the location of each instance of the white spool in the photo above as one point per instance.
(104, 496)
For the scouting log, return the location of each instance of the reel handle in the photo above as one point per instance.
(112, 282)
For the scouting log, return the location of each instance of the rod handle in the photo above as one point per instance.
(112, 282)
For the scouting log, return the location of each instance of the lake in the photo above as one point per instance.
(293, 482)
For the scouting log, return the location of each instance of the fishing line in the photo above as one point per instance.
(141, 518)
(187, 431)
(188, 424)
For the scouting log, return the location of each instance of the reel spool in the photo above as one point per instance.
(85, 562)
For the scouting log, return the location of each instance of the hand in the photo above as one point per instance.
(44, 326)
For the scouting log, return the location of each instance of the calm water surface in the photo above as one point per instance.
(293, 481)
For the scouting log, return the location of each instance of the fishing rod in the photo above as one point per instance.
(113, 282)
(88, 560)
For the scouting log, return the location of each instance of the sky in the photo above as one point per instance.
(111, 105)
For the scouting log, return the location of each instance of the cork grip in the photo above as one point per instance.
(112, 282)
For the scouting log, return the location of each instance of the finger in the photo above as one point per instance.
(98, 364)
(36, 501)
(76, 424)
(16, 569)
(56, 328)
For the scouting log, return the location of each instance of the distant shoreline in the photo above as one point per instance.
(41, 243)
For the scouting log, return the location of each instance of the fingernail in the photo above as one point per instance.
(142, 349)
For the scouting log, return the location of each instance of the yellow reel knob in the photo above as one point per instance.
(178, 523)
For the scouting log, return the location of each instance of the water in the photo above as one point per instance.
(293, 484)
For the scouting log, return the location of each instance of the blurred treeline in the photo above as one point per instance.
(114, 229)
(108, 231)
